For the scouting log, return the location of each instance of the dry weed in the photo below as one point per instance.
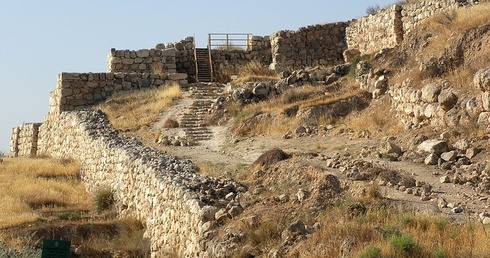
(30, 186)
(138, 110)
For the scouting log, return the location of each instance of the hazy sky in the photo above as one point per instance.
(40, 39)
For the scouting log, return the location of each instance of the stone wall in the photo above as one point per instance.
(415, 12)
(184, 57)
(79, 90)
(440, 104)
(309, 46)
(176, 204)
(375, 32)
(387, 28)
(155, 61)
(23, 141)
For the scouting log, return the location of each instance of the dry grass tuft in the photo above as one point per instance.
(31, 186)
(278, 115)
(136, 111)
(251, 72)
(376, 120)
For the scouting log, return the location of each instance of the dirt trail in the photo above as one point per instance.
(223, 149)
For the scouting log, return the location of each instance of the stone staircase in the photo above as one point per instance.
(193, 121)
(203, 65)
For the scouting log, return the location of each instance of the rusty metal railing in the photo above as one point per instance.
(230, 41)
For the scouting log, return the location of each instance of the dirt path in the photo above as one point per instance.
(226, 154)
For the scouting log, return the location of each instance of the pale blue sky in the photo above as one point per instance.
(40, 39)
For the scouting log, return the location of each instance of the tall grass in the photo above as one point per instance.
(138, 110)
(29, 187)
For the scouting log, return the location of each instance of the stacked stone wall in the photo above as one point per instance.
(309, 46)
(375, 32)
(177, 205)
(23, 141)
(80, 90)
(415, 12)
(156, 61)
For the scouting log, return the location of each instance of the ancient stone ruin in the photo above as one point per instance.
(164, 192)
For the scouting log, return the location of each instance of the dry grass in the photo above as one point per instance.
(29, 187)
(379, 227)
(138, 110)
(395, 233)
(376, 120)
(271, 116)
(444, 30)
(253, 71)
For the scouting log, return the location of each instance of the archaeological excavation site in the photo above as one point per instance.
(361, 138)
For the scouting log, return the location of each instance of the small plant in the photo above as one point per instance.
(372, 10)
(371, 252)
(391, 231)
(446, 18)
(374, 191)
(439, 253)
(70, 215)
(404, 244)
(440, 224)
(104, 200)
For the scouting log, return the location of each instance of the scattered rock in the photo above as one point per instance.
(447, 100)
(432, 159)
(430, 92)
(444, 179)
(481, 80)
(434, 146)
(449, 156)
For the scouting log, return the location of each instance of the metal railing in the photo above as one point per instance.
(230, 41)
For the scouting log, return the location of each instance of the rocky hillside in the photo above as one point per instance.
(385, 156)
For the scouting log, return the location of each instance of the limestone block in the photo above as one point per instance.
(143, 53)
(434, 146)
(430, 92)
(481, 80)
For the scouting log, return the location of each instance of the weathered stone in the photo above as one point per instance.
(447, 100)
(393, 148)
(449, 156)
(441, 203)
(143, 53)
(433, 146)
(461, 144)
(430, 92)
(431, 159)
(481, 80)
(208, 213)
(445, 179)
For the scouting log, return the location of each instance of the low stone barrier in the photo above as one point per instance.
(176, 204)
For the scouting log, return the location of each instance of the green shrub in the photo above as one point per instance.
(104, 200)
(391, 231)
(439, 253)
(371, 252)
(404, 243)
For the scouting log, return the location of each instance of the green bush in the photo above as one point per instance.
(404, 243)
(391, 231)
(439, 253)
(371, 252)
(104, 200)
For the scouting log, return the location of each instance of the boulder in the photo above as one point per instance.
(433, 146)
(449, 156)
(432, 159)
(461, 144)
(447, 100)
(430, 92)
(393, 148)
(481, 80)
